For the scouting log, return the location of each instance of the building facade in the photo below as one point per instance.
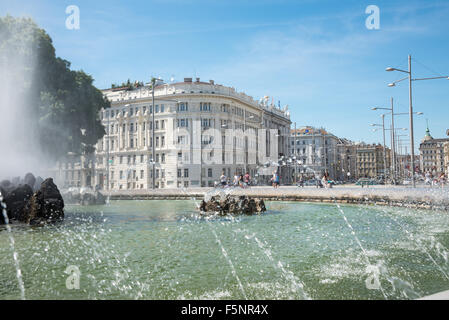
(347, 160)
(315, 149)
(370, 160)
(431, 152)
(201, 129)
(446, 158)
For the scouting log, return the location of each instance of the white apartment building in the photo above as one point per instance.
(316, 149)
(432, 154)
(185, 114)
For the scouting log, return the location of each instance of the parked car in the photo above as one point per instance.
(366, 182)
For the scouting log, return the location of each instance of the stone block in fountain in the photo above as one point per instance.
(83, 196)
(43, 206)
(230, 204)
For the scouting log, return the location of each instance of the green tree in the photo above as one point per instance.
(64, 105)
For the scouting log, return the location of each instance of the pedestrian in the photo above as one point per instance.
(246, 179)
(236, 179)
(223, 179)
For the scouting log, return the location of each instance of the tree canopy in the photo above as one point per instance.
(63, 104)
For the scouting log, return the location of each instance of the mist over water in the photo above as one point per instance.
(19, 146)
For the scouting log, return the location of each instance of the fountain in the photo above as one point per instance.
(12, 244)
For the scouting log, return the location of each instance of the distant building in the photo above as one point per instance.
(446, 158)
(347, 160)
(370, 160)
(185, 155)
(316, 149)
(432, 154)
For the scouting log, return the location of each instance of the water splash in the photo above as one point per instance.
(365, 254)
(12, 243)
(223, 250)
(225, 254)
(439, 246)
(288, 275)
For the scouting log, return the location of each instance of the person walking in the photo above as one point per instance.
(246, 179)
(223, 179)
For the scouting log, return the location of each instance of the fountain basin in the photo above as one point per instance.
(166, 250)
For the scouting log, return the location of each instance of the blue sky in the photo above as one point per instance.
(316, 56)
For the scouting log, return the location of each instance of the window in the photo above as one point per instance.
(141, 158)
(179, 173)
(182, 107)
(205, 123)
(141, 174)
(121, 174)
(162, 124)
(204, 106)
(163, 158)
(121, 159)
(209, 172)
(156, 109)
(182, 123)
(179, 156)
(162, 141)
(162, 108)
(186, 173)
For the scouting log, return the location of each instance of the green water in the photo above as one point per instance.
(166, 250)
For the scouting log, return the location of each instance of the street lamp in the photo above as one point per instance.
(393, 84)
(385, 153)
(392, 137)
(153, 144)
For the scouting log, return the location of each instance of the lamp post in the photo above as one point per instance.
(383, 134)
(393, 133)
(410, 80)
(393, 175)
(153, 142)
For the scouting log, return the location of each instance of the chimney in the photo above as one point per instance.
(197, 79)
(187, 79)
(211, 81)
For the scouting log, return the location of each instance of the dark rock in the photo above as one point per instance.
(83, 196)
(16, 201)
(233, 204)
(7, 186)
(46, 205)
(99, 198)
(87, 199)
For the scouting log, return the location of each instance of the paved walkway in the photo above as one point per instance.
(437, 296)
